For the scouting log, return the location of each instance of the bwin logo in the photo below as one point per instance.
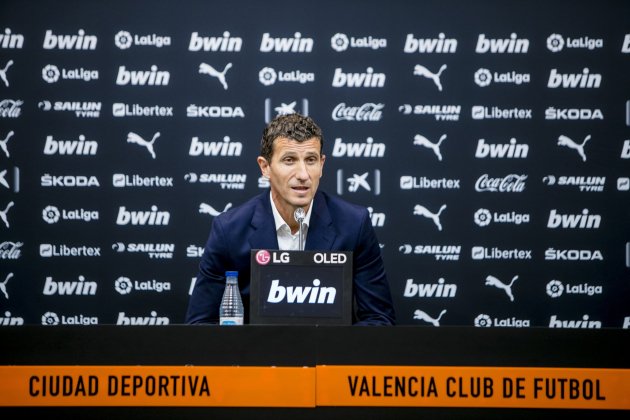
(511, 45)
(66, 288)
(153, 319)
(441, 44)
(435, 217)
(298, 294)
(419, 70)
(423, 316)
(220, 75)
(297, 44)
(507, 288)
(225, 43)
(367, 149)
(567, 142)
(143, 218)
(369, 79)
(574, 80)
(11, 40)
(8, 319)
(215, 148)
(500, 151)
(377, 219)
(420, 140)
(153, 77)
(79, 147)
(81, 41)
(573, 221)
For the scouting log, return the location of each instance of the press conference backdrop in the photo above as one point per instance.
(488, 139)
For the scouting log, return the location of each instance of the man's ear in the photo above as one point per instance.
(264, 166)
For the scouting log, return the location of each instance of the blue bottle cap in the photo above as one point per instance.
(231, 274)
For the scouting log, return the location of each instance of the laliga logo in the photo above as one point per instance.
(339, 42)
(483, 320)
(51, 214)
(555, 288)
(118, 247)
(555, 42)
(123, 40)
(483, 217)
(483, 77)
(123, 285)
(263, 257)
(50, 318)
(267, 76)
(50, 73)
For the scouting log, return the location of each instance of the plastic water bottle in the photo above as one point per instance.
(231, 311)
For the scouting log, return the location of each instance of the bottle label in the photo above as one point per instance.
(231, 320)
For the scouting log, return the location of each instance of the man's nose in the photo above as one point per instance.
(301, 172)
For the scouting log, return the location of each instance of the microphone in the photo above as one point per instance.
(299, 215)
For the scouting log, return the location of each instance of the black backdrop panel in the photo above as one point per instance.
(488, 138)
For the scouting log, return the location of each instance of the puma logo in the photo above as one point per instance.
(208, 209)
(566, 141)
(3, 73)
(423, 316)
(423, 211)
(134, 138)
(3, 214)
(209, 70)
(420, 140)
(419, 70)
(507, 288)
(3, 143)
(3, 285)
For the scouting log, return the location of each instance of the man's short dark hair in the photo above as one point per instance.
(292, 126)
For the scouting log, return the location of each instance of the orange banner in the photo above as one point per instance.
(229, 386)
(452, 386)
(395, 386)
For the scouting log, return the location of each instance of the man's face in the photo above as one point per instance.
(293, 172)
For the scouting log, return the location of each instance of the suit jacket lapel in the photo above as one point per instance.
(321, 232)
(264, 229)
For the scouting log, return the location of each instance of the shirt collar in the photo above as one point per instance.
(279, 221)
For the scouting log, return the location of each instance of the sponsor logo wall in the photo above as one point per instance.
(492, 154)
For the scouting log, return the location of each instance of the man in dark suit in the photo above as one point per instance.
(292, 159)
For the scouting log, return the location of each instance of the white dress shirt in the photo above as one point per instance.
(286, 240)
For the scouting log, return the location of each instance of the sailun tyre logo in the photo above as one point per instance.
(123, 285)
(483, 320)
(50, 318)
(555, 288)
(555, 42)
(51, 214)
(123, 40)
(267, 76)
(263, 257)
(339, 42)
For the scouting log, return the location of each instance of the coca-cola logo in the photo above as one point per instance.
(10, 250)
(10, 108)
(366, 112)
(509, 183)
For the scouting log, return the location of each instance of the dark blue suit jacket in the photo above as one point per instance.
(335, 225)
